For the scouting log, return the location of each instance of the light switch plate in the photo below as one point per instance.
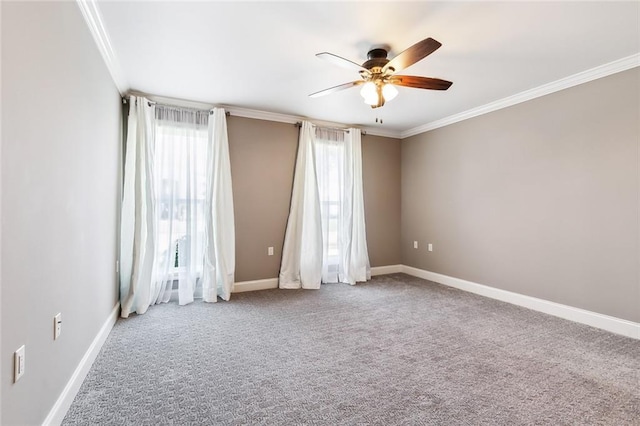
(18, 364)
(57, 326)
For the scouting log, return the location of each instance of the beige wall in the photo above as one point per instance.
(60, 180)
(381, 185)
(540, 198)
(263, 155)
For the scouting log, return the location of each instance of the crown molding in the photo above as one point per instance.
(262, 115)
(546, 89)
(292, 119)
(93, 18)
(387, 133)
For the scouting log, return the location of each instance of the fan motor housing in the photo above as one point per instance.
(376, 58)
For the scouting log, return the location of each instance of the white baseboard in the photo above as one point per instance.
(271, 283)
(267, 284)
(593, 319)
(384, 270)
(60, 408)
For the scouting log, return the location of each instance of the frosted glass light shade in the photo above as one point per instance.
(371, 100)
(369, 92)
(389, 92)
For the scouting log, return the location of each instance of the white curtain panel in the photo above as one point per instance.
(219, 260)
(137, 241)
(301, 265)
(357, 266)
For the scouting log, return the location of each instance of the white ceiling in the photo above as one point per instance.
(261, 55)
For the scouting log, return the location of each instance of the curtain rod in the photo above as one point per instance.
(126, 101)
(299, 124)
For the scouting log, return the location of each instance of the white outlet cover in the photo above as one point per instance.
(430, 247)
(415, 244)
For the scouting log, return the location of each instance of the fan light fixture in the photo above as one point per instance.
(378, 76)
(389, 92)
(371, 93)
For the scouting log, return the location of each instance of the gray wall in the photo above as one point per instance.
(60, 180)
(263, 155)
(540, 198)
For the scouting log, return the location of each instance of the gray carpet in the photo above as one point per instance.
(397, 350)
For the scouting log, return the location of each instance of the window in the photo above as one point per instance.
(177, 207)
(180, 173)
(326, 240)
(330, 157)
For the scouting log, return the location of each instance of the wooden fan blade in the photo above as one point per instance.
(420, 82)
(336, 88)
(410, 56)
(340, 61)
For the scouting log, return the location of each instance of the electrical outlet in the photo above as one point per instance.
(270, 251)
(415, 244)
(430, 247)
(57, 326)
(18, 364)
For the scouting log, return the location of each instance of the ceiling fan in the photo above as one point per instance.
(379, 73)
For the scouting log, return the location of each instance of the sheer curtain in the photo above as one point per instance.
(326, 237)
(180, 181)
(339, 173)
(177, 214)
(330, 171)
